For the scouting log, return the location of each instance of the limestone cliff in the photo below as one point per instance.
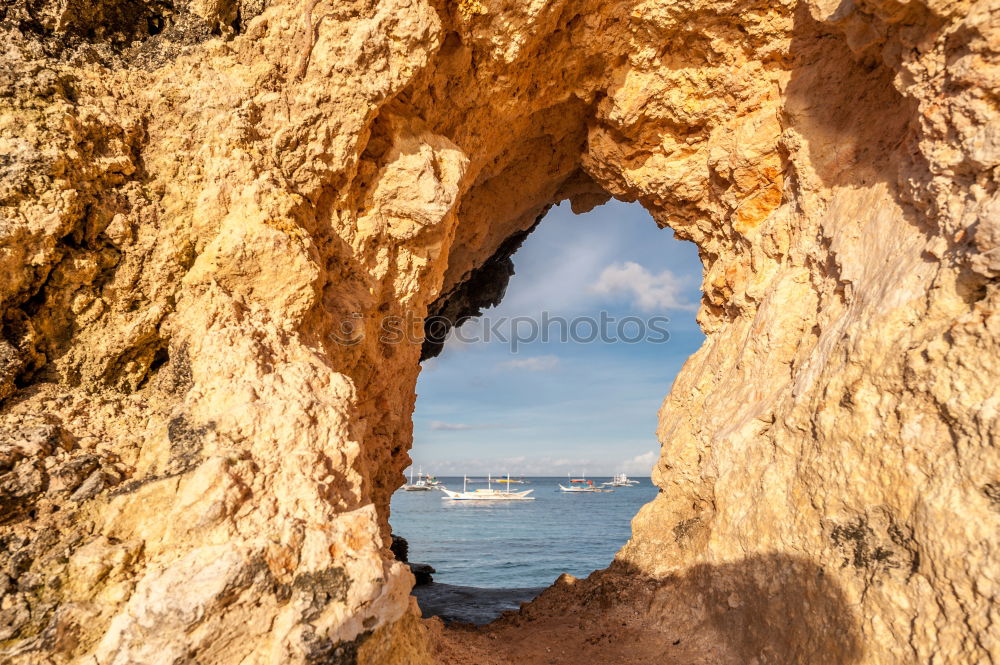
(211, 207)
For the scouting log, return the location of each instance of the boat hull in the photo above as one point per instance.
(487, 495)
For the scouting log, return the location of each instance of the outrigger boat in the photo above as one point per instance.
(420, 486)
(581, 485)
(621, 480)
(428, 479)
(488, 494)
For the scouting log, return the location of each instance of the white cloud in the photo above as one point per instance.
(533, 364)
(455, 427)
(556, 280)
(640, 465)
(649, 292)
(520, 465)
(460, 427)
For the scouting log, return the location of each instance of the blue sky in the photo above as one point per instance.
(550, 408)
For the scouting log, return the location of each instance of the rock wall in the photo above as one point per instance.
(223, 221)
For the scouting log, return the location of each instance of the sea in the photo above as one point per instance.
(517, 544)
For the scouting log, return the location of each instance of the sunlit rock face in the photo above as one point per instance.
(219, 215)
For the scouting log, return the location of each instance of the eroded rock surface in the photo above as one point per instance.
(219, 218)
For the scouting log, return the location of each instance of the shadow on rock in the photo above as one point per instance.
(765, 609)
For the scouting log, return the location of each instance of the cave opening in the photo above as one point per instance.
(561, 376)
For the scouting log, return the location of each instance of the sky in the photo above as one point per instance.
(566, 404)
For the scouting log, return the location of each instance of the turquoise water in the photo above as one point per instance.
(517, 543)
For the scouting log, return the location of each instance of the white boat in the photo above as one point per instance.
(587, 488)
(581, 484)
(488, 494)
(621, 480)
(563, 488)
(428, 479)
(419, 486)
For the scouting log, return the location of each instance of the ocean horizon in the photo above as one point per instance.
(517, 544)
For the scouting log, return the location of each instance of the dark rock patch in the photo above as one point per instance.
(468, 604)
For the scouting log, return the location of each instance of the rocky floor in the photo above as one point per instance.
(769, 610)
(604, 633)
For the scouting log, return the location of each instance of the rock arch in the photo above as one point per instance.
(211, 209)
